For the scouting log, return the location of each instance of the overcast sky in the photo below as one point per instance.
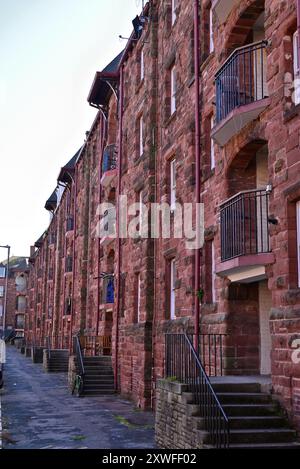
(49, 53)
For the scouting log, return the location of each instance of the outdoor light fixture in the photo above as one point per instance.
(269, 188)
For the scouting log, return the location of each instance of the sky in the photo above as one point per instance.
(49, 53)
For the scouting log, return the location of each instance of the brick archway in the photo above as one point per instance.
(241, 32)
(241, 173)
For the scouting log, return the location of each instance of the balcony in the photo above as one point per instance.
(245, 244)
(109, 165)
(241, 91)
(223, 8)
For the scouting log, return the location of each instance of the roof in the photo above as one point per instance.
(51, 203)
(39, 242)
(67, 170)
(101, 91)
(16, 263)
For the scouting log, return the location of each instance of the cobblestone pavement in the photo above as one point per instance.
(38, 412)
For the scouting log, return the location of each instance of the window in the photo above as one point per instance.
(213, 273)
(173, 184)
(172, 289)
(140, 195)
(173, 89)
(142, 65)
(1, 311)
(21, 304)
(2, 272)
(212, 146)
(211, 32)
(138, 297)
(296, 67)
(1, 291)
(141, 136)
(174, 7)
(298, 239)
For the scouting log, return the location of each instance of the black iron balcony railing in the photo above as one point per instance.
(109, 161)
(183, 364)
(245, 224)
(242, 79)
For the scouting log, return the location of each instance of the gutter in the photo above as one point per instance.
(198, 163)
(118, 228)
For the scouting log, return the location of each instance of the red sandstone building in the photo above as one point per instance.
(202, 105)
(16, 296)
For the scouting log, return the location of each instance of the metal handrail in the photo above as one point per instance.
(183, 363)
(48, 347)
(210, 352)
(79, 357)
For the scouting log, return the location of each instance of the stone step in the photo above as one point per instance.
(88, 386)
(243, 410)
(266, 435)
(98, 371)
(99, 379)
(98, 392)
(257, 422)
(244, 398)
(292, 445)
(236, 387)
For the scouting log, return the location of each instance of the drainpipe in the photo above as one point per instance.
(103, 132)
(298, 28)
(118, 228)
(74, 251)
(198, 167)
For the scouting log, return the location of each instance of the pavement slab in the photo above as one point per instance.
(38, 411)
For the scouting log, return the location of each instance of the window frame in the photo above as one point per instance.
(298, 239)
(172, 268)
(212, 145)
(173, 184)
(173, 11)
(173, 86)
(211, 31)
(2, 269)
(296, 67)
(2, 290)
(142, 65)
(141, 135)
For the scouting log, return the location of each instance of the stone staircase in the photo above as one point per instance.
(98, 378)
(255, 419)
(59, 361)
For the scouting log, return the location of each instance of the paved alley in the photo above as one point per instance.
(38, 412)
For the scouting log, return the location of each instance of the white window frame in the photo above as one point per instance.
(2, 272)
(296, 66)
(213, 273)
(142, 74)
(212, 145)
(173, 184)
(174, 7)
(138, 299)
(298, 239)
(140, 212)
(173, 89)
(211, 31)
(172, 289)
(2, 290)
(141, 136)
